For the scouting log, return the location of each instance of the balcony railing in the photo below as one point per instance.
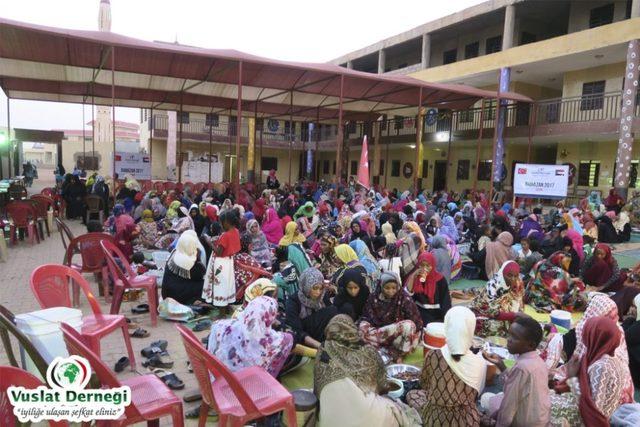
(590, 108)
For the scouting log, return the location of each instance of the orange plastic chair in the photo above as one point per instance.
(11, 376)
(88, 246)
(50, 285)
(23, 216)
(151, 399)
(128, 279)
(237, 397)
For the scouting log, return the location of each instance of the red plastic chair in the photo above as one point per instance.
(41, 208)
(11, 376)
(128, 279)
(50, 285)
(49, 192)
(179, 186)
(159, 186)
(88, 246)
(151, 399)
(237, 397)
(168, 186)
(23, 216)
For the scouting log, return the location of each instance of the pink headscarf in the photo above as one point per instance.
(272, 227)
(578, 243)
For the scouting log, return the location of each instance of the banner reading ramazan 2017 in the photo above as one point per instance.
(543, 181)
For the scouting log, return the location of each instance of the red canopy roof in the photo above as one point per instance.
(44, 63)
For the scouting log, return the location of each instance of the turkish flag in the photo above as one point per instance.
(363, 169)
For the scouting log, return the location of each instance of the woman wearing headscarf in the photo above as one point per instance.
(452, 377)
(73, 194)
(622, 225)
(631, 327)
(259, 209)
(601, 270)
(197, 218)
(259, 246)
(429, 289)
(184, 273)
(606, 231)
(499, 301)
(366, 259)
(387, 233)
(449, 229)
(353, 292)
(349, 377)
(411, 247)
(309, 311)
(597, 378)
(272, 227)
(250, 340)
(291, 235)
(358, 232)
(498, 252)
(574, 265)
(148, 229)
(329, 262)
(390, 320)
(553, 287)
(614, 202)
(440, 252)
(531, 227)
(272, 181)
(172, 211)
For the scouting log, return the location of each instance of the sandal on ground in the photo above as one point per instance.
(122, 363)
(202, 325)
(140, 333)
(192, 396)
(158, 361)
(156, 347)
(195, 413)
(132, 324)
(170, 379)
(160, 343)
(140, 309)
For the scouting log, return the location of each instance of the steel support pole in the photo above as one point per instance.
(180, 118)
(480, 132)
(419, 122)
(493, 151)
(84, 140)
(290, 134)
(210, 147)
(340, 136)
(93, 125)
(314, 168)
(386, 160)
(238, 130)
(113, 114)
(532, 123)
(152, 126)
(446, 175)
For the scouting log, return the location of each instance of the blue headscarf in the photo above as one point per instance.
(449, 229)
(452, 206)
(364, 256)
(128, 204)
(118, 210)
(506, 208)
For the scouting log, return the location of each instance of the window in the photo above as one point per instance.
(425, 168)
(526, 38)
(450, 56)
(334, 167)
(395, 167)
(381, 167)
(484, 170)
(287, 128)
(592, 95)
(471, 50)
(325, 167)
(212, 120)
(268, 163)
(233, 123)
(351, 127)
(627, 10)
(493, 44)
(463, 169)
(588, 173)
(466, 116)
(383, 123)
(602, 15)
(490, 109)
(354, 167)
(183, 117)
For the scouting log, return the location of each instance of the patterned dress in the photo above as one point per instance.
(444, 399)
(553, 288)
(607, 377)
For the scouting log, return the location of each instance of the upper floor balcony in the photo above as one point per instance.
(598, 113)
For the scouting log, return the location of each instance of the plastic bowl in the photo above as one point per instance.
(399, 391)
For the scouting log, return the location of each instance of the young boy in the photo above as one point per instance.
(525, 401)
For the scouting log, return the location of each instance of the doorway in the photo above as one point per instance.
(439, 175)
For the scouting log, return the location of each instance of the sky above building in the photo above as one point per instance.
(281, 29)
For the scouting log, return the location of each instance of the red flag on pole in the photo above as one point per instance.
(363, 169)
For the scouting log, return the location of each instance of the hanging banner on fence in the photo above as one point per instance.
(544, 181)
(137, 165)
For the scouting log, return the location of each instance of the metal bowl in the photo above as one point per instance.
(393, 370)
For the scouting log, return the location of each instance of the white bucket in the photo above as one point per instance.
(160, 258)
(561, 318)
(42, 327)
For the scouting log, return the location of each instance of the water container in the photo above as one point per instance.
(42, 327)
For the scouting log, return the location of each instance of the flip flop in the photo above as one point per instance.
(122, 363)
(160, 343)
(192, 396)
(156, 347)
(202, 325)
(195, 413)
(140, 309)
(140, 333)
(158, 361)
(170, 379)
